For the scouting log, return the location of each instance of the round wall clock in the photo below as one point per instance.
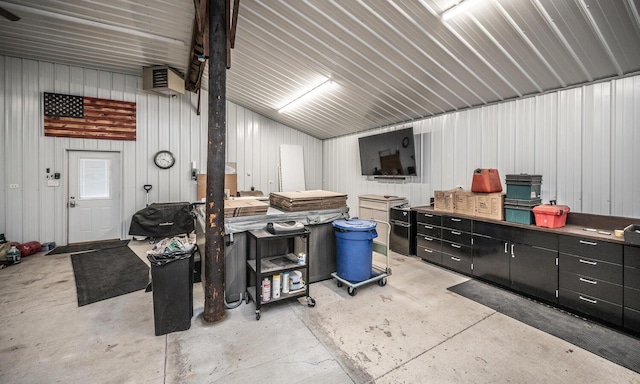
(164, 159)
(405, 142)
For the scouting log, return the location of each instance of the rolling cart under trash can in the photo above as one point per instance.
(354, 254)
(172, 286)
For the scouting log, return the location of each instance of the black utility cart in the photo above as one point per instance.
(274, 254)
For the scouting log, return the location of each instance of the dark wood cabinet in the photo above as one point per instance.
(428, 237)
(534, 271)
(456, 244)
(631, 296)
(591, 277)
(594, 276)
(491, 259)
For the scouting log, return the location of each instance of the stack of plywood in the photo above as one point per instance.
(308, 200)
(233, 208)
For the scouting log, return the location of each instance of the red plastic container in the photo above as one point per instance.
(486, 181)
(551, 216)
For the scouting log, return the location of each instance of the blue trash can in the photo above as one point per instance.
(354, 247)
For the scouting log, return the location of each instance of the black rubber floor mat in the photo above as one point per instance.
(88, 247)
(598, 339)
(108, 273)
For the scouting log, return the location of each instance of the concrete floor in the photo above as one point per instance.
(411, 331)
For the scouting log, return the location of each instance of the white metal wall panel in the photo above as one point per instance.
(546, 143)
(569, 164)
(35, 211)
(596, 148)
(524, 148)
(566, 136)
(3, 159)
(626, 141)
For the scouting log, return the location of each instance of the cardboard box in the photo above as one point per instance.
(444, 200)
(464, 202)
(490, 205)
(230, 185)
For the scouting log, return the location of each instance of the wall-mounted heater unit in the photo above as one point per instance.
(162, 79)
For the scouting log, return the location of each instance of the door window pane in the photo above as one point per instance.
(95, 179)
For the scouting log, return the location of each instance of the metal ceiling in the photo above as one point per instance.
(392, 61)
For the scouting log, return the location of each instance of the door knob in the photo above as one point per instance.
(72, 202)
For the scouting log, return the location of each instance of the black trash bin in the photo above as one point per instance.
(172, 286)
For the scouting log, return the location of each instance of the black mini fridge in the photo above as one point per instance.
(403, 230)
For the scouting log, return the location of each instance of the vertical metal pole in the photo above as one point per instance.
(214, 241)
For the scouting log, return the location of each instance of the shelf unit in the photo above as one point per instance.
(270, 255)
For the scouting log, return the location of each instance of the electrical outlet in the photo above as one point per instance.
(53, 183)
(14, 186)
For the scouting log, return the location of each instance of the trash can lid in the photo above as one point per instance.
(355, 224)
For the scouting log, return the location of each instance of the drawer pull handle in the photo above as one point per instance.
(427, 215)
(456, 246)
(588, 300)
(588, 262)
(588, 242)
(455, 258)
(456, 233)
(454, 219)
(505, 247)
(588, 281)
(428, 250)
(428, 227)
(428, 238)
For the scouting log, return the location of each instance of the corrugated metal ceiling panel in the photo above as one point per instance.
(393, 61)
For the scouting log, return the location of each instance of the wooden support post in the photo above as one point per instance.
(214, 243)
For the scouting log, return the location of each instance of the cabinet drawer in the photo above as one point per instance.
(456, 236)
(598, 308)
(429, 230)
(496, 231)
(429, 242)
(428, 254)
(591, 287)
(632, 319)
(403, 215)
(460, 263)
(596, 269)
(631, 256)
(632, 298)
(463, 251)
(458, 223)
(595, 249)
(367, 214)
(378, 205)
(632, 277)
(533, 237)
(429, 218)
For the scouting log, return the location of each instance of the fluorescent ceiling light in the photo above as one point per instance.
(459, 8)
(313, 92)
(91, 23)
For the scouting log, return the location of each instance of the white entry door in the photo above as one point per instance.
(94, 204)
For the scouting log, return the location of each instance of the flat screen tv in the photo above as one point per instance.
(388, 154)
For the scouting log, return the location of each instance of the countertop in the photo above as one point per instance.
(600, 227)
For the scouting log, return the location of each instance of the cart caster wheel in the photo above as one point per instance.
(257, 315)
(246, 297)
(339, 283)
(382, 282)
(352, 291)
(311, 302)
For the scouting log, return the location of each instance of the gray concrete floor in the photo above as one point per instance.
(413, 330)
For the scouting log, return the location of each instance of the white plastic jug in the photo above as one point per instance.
(266, 289)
